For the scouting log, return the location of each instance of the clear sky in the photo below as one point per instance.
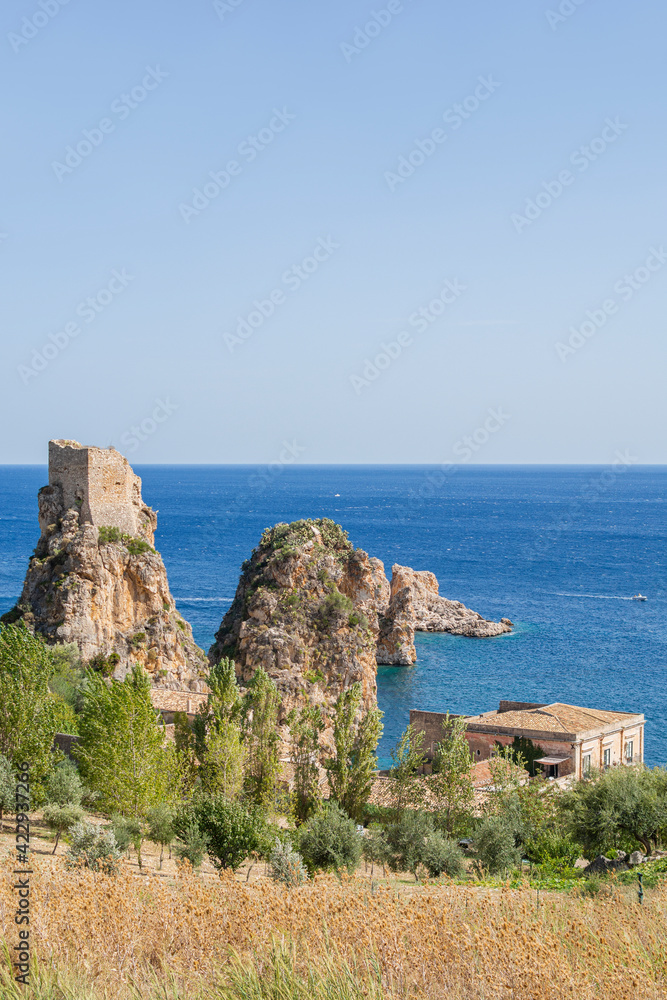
(409, 231)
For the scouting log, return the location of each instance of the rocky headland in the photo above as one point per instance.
(95, 578)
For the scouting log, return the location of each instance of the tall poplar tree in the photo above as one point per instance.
(260, 706)
(123, 752)
(352, 766)
(28, 718)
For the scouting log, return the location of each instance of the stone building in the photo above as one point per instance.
(101, 484)
(574, 741)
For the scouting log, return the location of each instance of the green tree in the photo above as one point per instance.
(27, 716)
(526, 752)
(330, 840)
(451, 784)
(508, 773)
(186, 755)
(161, 829)
(61, 817)
(352, 766)
(123, 752)
(408, 756)
(495, 845)
(260, 706)
(7, 787)
(627, 803)
(232, 831)
(64, 786)
(223, 760)
(305, 727)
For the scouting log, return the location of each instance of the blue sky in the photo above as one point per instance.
(505, 286)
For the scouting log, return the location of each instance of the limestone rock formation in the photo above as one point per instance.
(433, 613)
(95, 578)
(396, 640)
(306, 610)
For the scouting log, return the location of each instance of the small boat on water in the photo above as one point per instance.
(639, 597)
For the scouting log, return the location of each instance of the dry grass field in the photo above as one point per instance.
(184, 936)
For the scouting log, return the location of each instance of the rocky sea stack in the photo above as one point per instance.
(319, 615)
(306, 610)
(95, 578)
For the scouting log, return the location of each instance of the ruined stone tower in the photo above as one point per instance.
(95, 578)
(101, 484)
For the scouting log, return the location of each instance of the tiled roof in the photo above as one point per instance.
(556, 718)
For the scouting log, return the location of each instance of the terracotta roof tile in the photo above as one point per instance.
(555, 718)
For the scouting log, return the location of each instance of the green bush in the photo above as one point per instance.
(63, 786)
(232, 831)
(551, 849)
(334, 605)
(126, 830)
(442, 856)
(406, 839)
(286, 864)
(193, 843)
(114, 536)
(94, 848)
(61, 817)
(329, 840)
(495, 846)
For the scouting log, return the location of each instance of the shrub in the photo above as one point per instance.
(126, 830)
(94, 848)
(64, 786)
(550, 848)
(495, 846)
(193, 843)
(231, 830)
(334, 605)
(329, 840)
(441, 856)
(286, 864)
(406, 839)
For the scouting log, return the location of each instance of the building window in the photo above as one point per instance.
(607, 758)
(586, 765)
(630, 751)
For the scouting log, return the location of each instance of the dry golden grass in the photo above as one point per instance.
(435, 942)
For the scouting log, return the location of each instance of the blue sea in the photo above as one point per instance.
(560, 550)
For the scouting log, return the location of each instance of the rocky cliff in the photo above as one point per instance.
(94, 584)
(306, 611)
(318, 614)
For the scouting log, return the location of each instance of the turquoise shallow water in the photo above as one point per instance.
(559, 550)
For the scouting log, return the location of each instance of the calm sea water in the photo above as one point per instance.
(559, 550)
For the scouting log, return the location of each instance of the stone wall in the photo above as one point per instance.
(98, 482)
